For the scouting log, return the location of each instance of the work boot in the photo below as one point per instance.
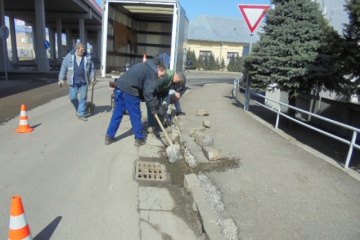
(180, 114)
(139, 142)
(82, 118)
(109, 140)
(167, 123)
(153, 129)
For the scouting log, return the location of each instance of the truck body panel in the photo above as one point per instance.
(134, 28)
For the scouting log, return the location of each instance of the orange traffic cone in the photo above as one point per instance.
(24, 126)
(144, 58)
(18, 226)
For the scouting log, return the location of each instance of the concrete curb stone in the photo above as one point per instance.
(203, 207)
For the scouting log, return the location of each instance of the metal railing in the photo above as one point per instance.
(352, 143)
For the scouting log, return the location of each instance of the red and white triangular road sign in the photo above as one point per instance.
(253, 14)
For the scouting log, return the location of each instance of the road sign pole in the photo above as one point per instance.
(253, 15)
(248, 81)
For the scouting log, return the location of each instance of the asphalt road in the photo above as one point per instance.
(31, 89)
(72, 185)
(37, 89)
(81, 179)
(199, 78)
(70, 182)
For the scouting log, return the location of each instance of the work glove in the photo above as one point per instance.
(153, 111)
(61, 82)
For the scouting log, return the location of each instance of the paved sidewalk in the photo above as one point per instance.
(92, 193)
(267, 183)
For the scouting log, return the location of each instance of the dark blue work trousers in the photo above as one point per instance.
(125, 101)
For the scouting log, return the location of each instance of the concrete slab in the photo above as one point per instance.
(153, 198)
(164, 224)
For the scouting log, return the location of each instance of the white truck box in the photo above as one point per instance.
(131, 29)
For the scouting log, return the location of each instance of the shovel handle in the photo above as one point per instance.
(93, 86)
(163, 129)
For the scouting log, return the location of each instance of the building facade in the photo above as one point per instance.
(227, 37)
(25, 46)
(222, 37)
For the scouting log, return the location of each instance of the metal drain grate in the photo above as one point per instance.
(150, 171)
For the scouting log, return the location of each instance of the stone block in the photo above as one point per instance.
(212, 153)
(191, 180)
(189, 158)
(203, 140)
(205, 210)
(175, 134)
(213, 230)
(206, 123)
(201, 112)
(197, 194)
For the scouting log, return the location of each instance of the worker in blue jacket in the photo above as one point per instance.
(78, 70)
(135, 85)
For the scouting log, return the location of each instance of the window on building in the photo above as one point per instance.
(230, 55)
(23, 40)
(204, 54)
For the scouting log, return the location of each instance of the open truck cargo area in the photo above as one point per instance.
(134, 28)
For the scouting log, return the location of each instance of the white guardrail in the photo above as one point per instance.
(355, 131)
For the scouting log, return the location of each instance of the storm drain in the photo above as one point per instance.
(150, 171)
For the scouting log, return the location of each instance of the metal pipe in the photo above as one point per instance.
(351, 143)
(351, 148)
(278, 117)
(248, 81)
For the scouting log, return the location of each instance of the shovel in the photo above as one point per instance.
(90, 106)
(172, 151)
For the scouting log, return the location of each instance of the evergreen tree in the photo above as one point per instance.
(231, 65)
(211, 65)
(235, 64)
(222, 64)
(294, 52)
(217, 64)
(206, 63)
(190, 55)
(352, 38)
(201, 63)
(239, 66)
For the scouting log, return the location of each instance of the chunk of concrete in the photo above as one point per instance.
(175, 134)
(189, 158)
(211, 153)
(206, 124)
(203, 140)
(201, 112)
(191, 180)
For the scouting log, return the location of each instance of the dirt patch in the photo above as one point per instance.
(221, 165)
